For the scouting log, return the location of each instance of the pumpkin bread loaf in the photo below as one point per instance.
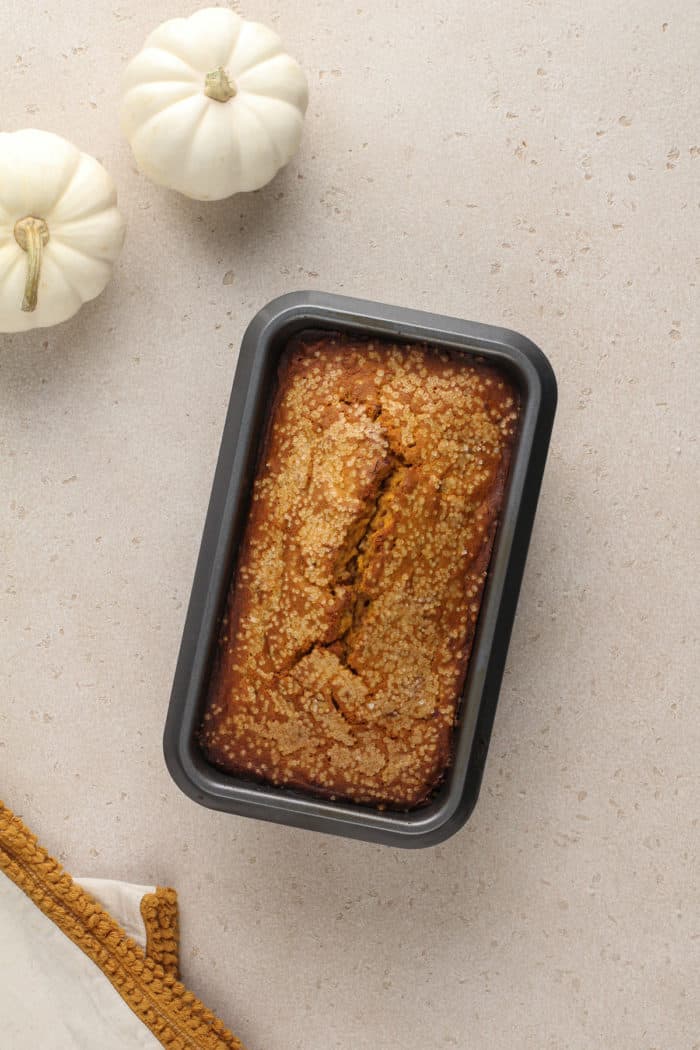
(353, 607)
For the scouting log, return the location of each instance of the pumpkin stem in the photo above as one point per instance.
(218, 86)
(32, 234)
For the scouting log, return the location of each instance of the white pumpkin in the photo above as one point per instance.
(213, 106)
(60, 229)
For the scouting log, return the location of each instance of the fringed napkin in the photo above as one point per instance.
(90, 964)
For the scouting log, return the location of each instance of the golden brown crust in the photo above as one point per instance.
(352, 613)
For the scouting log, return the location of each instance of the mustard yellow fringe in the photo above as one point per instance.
(159, 914)
(146, 982)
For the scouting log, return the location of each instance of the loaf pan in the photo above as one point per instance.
(251, 397)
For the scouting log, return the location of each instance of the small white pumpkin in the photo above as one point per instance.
(60, 229)
(212, 105)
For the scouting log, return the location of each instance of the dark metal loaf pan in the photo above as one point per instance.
(263, 342)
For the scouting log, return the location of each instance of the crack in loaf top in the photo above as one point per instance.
(358, 586)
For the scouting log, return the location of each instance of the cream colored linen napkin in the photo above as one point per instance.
(90, 964)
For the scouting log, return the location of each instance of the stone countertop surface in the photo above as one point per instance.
(526, 163)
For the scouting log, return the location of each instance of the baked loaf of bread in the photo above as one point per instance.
(351, 615)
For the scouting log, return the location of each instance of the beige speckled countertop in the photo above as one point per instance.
(529, 163)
